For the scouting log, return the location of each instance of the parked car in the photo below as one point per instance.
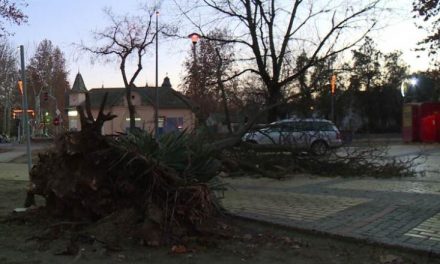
(313, 135)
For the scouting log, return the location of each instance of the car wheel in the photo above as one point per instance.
(319, 148)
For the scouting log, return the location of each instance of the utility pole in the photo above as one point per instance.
(25, 110)
(156, 95)
(6, 114)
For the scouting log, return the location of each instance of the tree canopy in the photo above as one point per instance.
(269, 34)
(8, 75)
(47, 73)
(10, 12)
(428, 11)
(126, 38)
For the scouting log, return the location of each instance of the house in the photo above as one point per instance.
(174, 114)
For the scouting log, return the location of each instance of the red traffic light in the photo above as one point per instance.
(56, 121)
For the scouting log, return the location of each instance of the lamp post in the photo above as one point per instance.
(156, 94)
(25, 108)
(408, 89)
(414, 81)
(194, 39)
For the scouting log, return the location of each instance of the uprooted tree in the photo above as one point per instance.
(163, 190)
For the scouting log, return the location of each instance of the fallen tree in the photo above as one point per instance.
(279, 161)
(163, 187)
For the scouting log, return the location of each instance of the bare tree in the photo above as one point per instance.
(47, 74)
(269, 31)
(428, 11)
(127, 37)
(203, 82)
(10, 12)
(8, 74)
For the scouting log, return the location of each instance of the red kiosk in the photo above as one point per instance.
(421, 122)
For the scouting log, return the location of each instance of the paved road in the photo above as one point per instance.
(404, 212)
(397, 211)
(15, 171)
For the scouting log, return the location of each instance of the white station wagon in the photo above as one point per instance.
(314, 135)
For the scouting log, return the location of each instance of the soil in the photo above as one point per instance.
(33, 238)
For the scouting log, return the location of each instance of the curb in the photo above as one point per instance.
(367, 241)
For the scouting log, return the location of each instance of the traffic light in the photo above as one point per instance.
(20, 86)
(45, 96)
(333, 83)
(56, 121)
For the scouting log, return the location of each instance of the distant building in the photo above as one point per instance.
(175, 110)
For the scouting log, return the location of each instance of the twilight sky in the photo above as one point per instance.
(65, 22)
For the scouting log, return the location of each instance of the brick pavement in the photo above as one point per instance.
(400, 212)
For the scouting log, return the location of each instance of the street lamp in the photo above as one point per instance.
(156, 94)
(414, 81)
(408, 88)
(194, 39)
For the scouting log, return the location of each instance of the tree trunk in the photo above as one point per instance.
(274, 98)
(225, 107)
(221, 87)
(131, 108)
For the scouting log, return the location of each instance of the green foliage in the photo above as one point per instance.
(182, 152)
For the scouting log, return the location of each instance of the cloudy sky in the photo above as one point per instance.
(66, 22)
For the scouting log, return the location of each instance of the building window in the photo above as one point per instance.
(72, 113)
(138, 123)
(161, 121)
(174, 124)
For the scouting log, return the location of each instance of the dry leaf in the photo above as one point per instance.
(179, 249)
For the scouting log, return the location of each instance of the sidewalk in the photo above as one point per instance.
(15, 171)
(397, 212)
(403, 212)
(381, 137)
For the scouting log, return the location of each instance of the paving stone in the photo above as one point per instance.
(391, 186)
(430, 228)
(290, 205)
